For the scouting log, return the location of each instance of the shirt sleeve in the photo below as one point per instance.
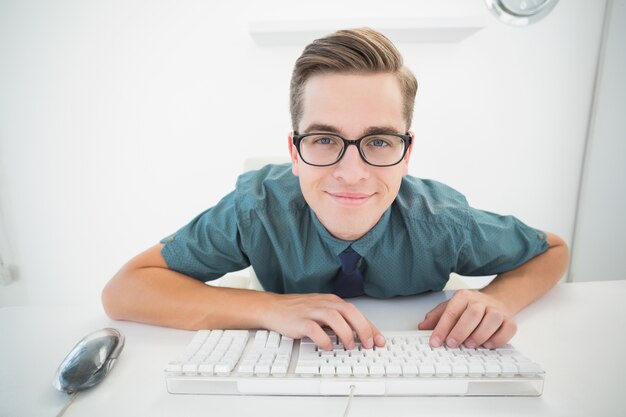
(494, 244)
(209, 246)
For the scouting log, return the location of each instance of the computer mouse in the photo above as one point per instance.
(89, 361)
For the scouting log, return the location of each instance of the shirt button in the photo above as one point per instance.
(170, 239)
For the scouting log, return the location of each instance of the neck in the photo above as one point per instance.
(345, 231)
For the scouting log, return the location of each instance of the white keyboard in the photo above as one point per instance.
(266, 363)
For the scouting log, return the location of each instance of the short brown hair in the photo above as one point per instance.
(361, 50)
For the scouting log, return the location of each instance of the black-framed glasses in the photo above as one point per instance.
(324, 149)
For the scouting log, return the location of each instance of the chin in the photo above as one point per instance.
(350, 226)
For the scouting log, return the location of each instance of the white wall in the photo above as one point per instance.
(599, 247)
(121, 120)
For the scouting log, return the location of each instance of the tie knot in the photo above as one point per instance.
(349, 259)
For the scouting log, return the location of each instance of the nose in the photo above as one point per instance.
(351, 168)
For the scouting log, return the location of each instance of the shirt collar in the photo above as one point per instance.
(363, 245)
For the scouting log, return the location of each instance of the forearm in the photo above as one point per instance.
(164, 297)
(519, 287)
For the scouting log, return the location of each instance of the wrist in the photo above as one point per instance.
(505, 303)
(261, 308)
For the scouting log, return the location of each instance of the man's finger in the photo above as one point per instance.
(379, 338)
(451, 314)
(367, 332)
(470, 319)
(502, 336)
(432, 317)
(489, 325)
(315, 332)
(336, 321)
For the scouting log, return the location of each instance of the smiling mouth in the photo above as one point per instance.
(350, 199)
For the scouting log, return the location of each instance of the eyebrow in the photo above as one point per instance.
(372, 130)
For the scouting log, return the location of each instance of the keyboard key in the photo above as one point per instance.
(356, 353)
(427, 369)
(368, 361)
(200, 337)
(385, 354)
(360, 370)
(350, 361)
(529, 369)
(344, 370)
(367, 352)
(327, 370)
(509, 369)
(279, 368)
(206, 368)
(246, 368)
(286, 345)
(267, 356)
(377, 370)
(393, 369)
(410, 369)
(273, 340)
(476, 369)
(304, 368)
(506, 348)
(308, 351)
(190, 368)
(223, 368)
(260, 338)
(237, 334)
(492, 368)
(382, 361)
(262, 368)
(174, 367)
(443, 369)
(459, 369)
(424, 340)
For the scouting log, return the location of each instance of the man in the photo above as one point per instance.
(344, 219)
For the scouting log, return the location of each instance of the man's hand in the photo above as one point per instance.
(484, 317)
(300, 315)
(472, 318)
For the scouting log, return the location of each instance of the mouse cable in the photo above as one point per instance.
(345, 413)
(68, 403)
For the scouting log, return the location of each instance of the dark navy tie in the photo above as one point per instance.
(349, 281)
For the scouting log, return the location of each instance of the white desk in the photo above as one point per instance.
(576, 332)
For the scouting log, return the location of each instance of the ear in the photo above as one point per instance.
(293, 153)
(407, 157)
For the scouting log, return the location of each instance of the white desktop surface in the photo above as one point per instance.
(577, 332)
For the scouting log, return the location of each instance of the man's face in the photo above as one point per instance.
(351, 196)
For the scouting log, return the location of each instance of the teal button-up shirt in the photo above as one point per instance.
(428, 232)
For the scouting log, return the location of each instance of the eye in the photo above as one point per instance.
(324, 141)
(378, 142)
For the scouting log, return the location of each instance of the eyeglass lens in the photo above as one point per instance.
(325, 149)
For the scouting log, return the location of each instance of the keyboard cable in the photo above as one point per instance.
(345, 413)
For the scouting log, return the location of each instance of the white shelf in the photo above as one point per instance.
(416, 29)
